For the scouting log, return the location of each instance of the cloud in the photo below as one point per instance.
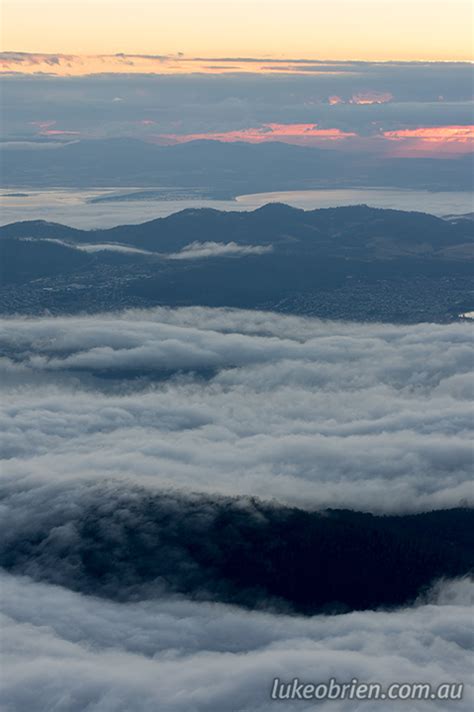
(305, 134)
(77, 65)
(198, 250)
(37, 145)
(309, 412)
(92, 246)
(33, 59)
(450, 139)
(116, 424)
(186, 103)
(193, 251)
(68, 651)
(111, 247)
(436, 140)
(44, 128)
(370, 97)
(74, 64)
(362, 98)
(62, 64)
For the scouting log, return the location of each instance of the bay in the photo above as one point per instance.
(80, 208)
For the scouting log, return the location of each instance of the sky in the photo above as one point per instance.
(396, 108)
(316, 29)
(387, 76)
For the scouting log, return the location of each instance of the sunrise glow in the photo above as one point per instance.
(341, 29)
(450, 134)
(435, 140)
(289, 133)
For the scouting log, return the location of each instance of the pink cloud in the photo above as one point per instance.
(431, 139)
(462, 134)
(366, 97)
(289, 133)
(43, 125)
(371, 97)
(45, 129)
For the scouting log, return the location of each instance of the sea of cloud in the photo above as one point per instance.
(70, 653)
(306, 412)
(301, 411)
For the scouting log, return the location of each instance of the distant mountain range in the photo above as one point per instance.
(352, 263)
(222, 170)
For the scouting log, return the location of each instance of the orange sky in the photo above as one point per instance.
(80, 37)
(324, 29)
(78, 65)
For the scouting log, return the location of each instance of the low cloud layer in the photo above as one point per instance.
(311, 413)
(70, 652)
(114, 427)
(194, 251)
(197, 250)
(93, 247)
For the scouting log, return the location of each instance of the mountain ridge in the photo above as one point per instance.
(223, 168)
(353, 262)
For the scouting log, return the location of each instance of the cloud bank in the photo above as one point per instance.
(119, 422)
(197, 250)
(70, 652)
(311, 413)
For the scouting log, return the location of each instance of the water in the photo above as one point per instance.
(73, 207)
(436, 203)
